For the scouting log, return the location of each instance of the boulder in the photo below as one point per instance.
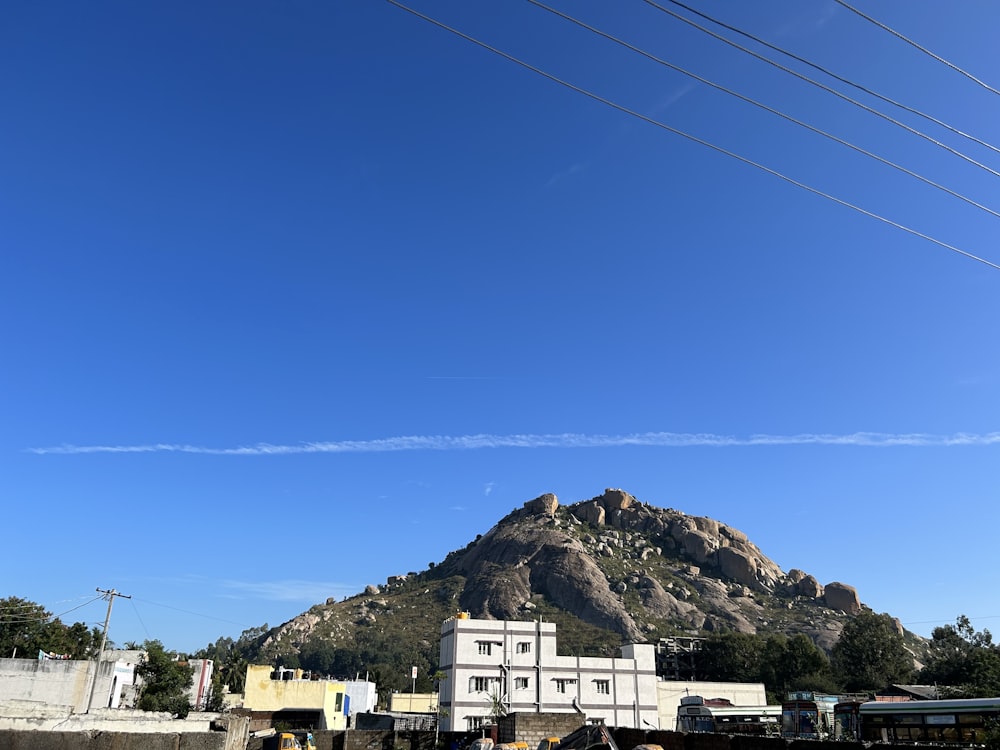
(794, 576)
(738, 566)
(698, 545)
(613, 500)
(843, 597)
(591, 513)
(546, 504)
(808, 586)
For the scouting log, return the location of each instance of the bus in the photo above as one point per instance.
(847, 720)
(960, 721)
(808, 715)
(718, 716)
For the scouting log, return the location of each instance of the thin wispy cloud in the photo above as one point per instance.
(558, 440)
(573, 169)
(288, 590)
(488, 488)
(673, 97)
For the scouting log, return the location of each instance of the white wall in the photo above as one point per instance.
(519, 661)
(363, 695)
(67, 682)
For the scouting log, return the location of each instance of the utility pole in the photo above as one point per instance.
(110, 595)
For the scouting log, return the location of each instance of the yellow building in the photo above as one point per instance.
(414, 703)
(268, 689)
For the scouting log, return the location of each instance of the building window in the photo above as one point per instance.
(485, 648)
(561, 685)
(477, 722)
(520, 683)
(603, 687)
(482, 684)
(524, 647)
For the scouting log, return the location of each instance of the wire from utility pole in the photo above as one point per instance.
(110, 595)
(824, 87)
(693, 138)
(837, 77)
(795, 121)
(923, 49)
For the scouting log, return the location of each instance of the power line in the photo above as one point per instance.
(766, 108)
(80, 606)
(24, 617)
(923, 49)
(139, 617)
(824, 87)
(842, 79)
(693, 138)
(189, 612)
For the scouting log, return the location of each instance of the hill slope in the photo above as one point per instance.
(607, 570)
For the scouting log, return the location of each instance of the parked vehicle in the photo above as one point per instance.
(695, 714)
(290, 741)
(590, 737)
(960, 721)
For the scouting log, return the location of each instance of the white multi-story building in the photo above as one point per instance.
(515, 665)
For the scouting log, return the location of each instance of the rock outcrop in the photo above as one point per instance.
(843, 597)
(532, 553)
(612, 562)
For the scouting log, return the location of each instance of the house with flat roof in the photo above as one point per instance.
(514, 666)
(284, 695)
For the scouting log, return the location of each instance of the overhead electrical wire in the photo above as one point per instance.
(8, 617)
(824, 87)
(139, 618)
(189, 612)
(835, 76)
(765, 107)
(76, 608)
(693, 138)
(923, 49)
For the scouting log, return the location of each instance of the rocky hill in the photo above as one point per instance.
(606, 570)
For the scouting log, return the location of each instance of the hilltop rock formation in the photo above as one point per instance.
(612, 562)
(556, 553)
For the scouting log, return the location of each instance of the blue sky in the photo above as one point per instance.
(300, 296)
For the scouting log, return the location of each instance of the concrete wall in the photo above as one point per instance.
(419, 703)
(66, 682)
(60, 683)
(14, 740)
(363, 695)
(534, 725)
(24, 715)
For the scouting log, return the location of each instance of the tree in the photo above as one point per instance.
(496, 699)
(731, 657)
(27, 628)
(795, 663)
(965, 661)
(165, 682)
(871, 654)
(319, 655)
(76, 641)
